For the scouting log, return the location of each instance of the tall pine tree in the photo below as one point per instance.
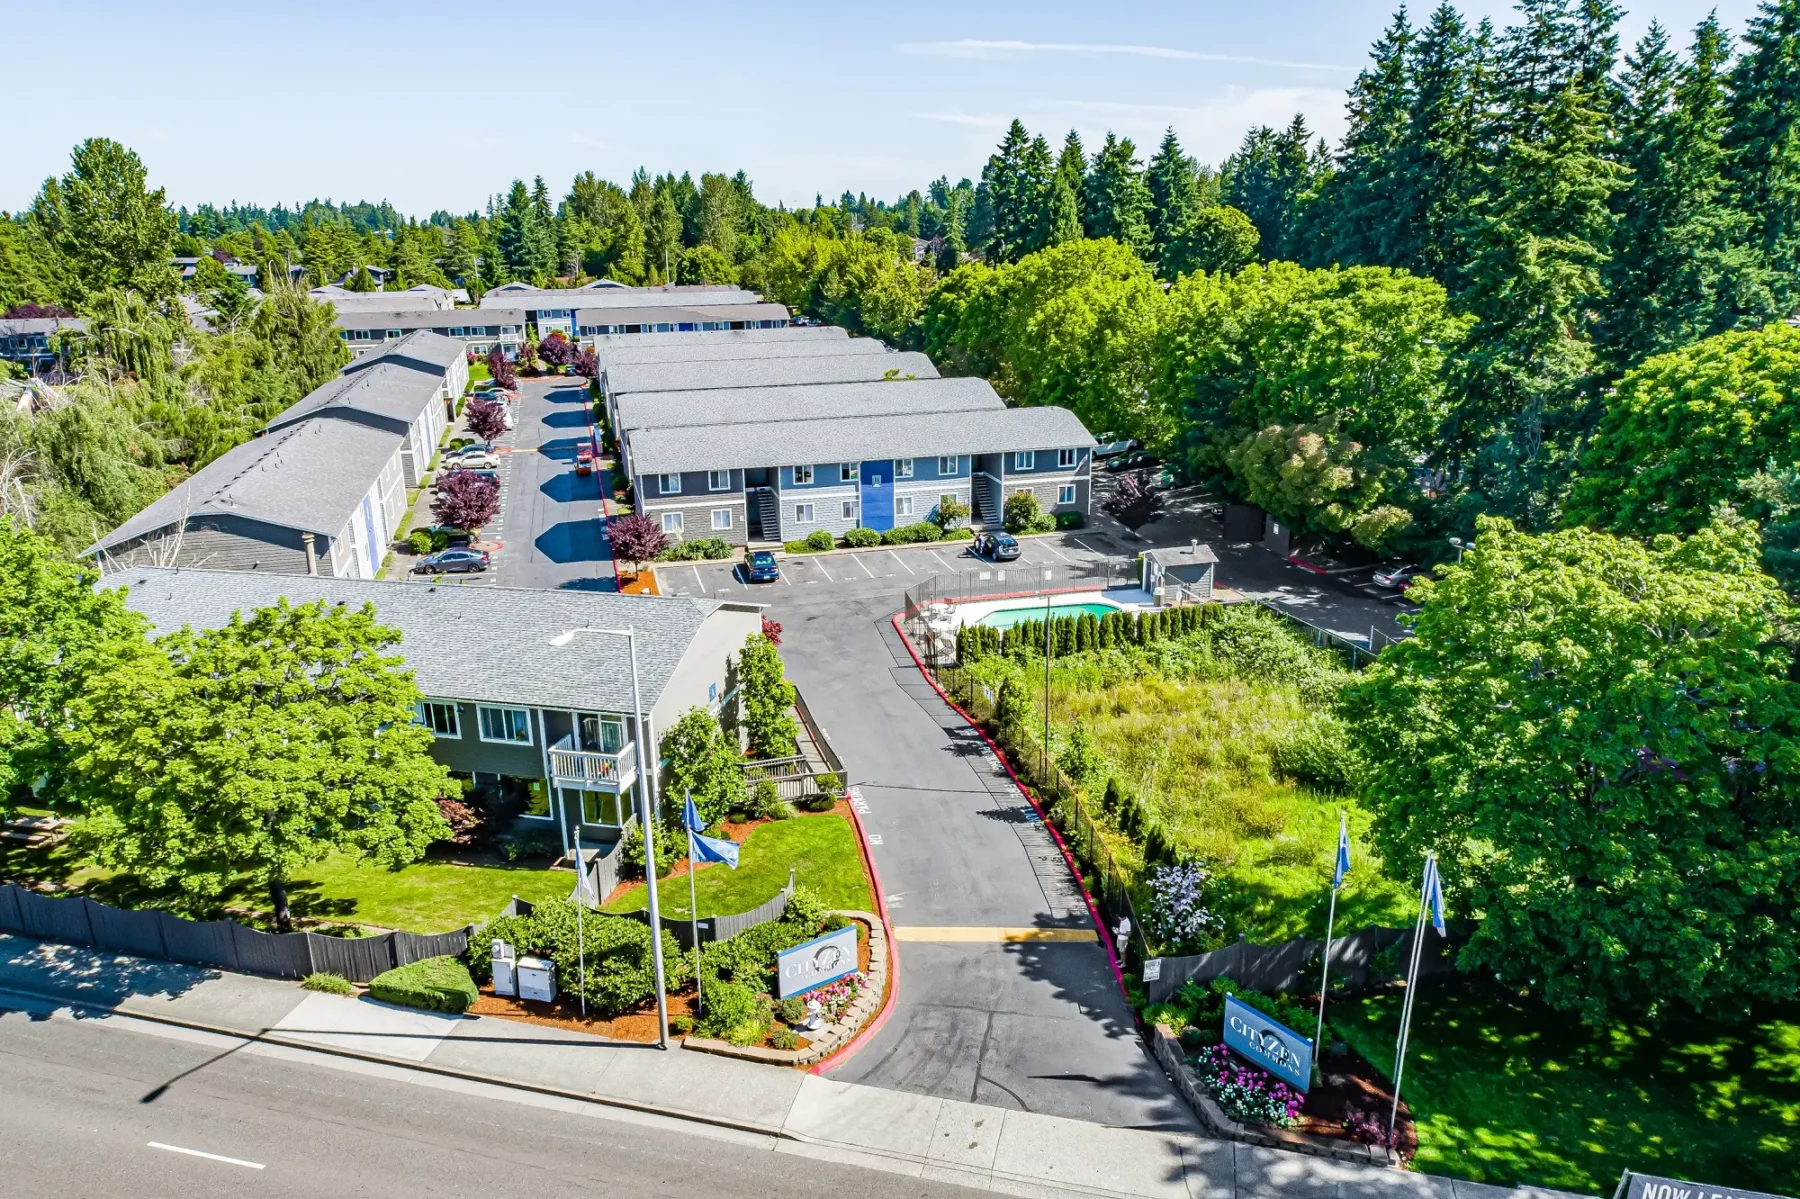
(1272, 179)
(1366, 226)
(1763, 147)
(1071, 168)
(1174, 200)
(1118, 202)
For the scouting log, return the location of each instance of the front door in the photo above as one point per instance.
(877, 505)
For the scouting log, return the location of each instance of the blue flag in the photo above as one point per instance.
(714, 849)
(1434, 894)
(690, 816)
(1343, 854)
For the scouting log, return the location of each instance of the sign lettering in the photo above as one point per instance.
(1648, 1186)
(818, 961)
(1272, 1045)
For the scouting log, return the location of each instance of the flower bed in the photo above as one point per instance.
(1246, 1094)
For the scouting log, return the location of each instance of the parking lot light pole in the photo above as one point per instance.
(647, 781)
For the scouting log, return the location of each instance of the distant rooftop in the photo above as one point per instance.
(630, 378)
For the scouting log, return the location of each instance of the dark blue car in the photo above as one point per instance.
(760, 567)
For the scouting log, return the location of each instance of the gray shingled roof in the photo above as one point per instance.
(610, 343)
(853, 439)
(41, 324)
(428, 318)
(345, 300)
(420, 349)
(636, 378)
(659, 347)
(386, 389)
(481, 644)
(616, 297)
(669, 314)
(308, 476)
(736, 406)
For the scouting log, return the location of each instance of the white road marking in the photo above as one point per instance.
(902, 561)
(698, 579)
(824, 572)
(874, 838)
(858, 559)
(1046, 545)
(946, 565)
(211, 1157)
(1084, 545)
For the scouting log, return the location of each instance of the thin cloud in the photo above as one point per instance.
(965, 118)
(980, 48)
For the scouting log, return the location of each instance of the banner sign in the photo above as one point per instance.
(819, 961)
(1273, 1046)
(1649, 1186)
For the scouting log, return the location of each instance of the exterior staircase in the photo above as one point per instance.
(766, 520)
(987, 501)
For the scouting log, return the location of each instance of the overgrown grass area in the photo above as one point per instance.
(1222, 733)
(1506, 1091)
(821, 850)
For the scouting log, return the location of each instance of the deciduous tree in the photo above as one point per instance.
(465, 500)
(768, 700)
(635, 539)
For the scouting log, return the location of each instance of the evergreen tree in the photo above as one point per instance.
(515, 236)
(540, 234)
(1439, 158)
(1071, 168)
(1063, 215)
(1763, 147)
(1368, 227)
(1173, 199)
(1039, 195)
(1118, 201)
(105, 224)
(1017, 180)
(1271, 180)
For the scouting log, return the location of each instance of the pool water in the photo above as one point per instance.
(1006, 618)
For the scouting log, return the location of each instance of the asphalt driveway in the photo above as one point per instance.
(552, 526)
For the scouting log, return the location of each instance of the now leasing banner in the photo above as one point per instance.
(819, 961)
(1276, 1047)
(1648, 1186)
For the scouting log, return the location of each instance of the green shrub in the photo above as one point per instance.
(724, 1005)
(862, 538)
(331, 984)
(709, 548)
(1317, 751)
(434, 984)
(419, 541)
(765, 801)
(959, 533)
(1021, 512)
(620, 973)
(913, 534)
(784, 1038)
(1071, 520)
(681, 1024)
(819, 540)
(949, 511)
(528, 841)
(1044, 522)
(440, 539)
(631, 853)
(791, 1009)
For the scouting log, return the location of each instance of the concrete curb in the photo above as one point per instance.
(267, 1038)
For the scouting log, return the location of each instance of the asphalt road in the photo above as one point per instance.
(96, 1110)
(550, 522)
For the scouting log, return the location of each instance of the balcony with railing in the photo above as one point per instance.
(571, 767)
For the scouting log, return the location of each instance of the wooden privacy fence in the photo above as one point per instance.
(603, 870)
(223, 944)
(1295, 965)
(722, 928)
(797, 778)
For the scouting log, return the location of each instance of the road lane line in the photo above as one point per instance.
(902, 561)
(980, 933)
(211, 1157)
(945, 565)
(857, 558)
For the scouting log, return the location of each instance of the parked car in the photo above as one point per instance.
(453, 561)
(1136, 460)
(760, 566)
(1111, 445)
(996, 547)
(471, 458)
(1397, 577)
(584, 460)
(1162, 480)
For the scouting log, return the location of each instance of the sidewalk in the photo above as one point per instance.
(973, 1145)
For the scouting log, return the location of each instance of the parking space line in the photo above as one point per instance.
(824, 572)
(902, 561)
(1047, 546)
(698, 579)
(1084, 545)
(858, 559)
(941, 561)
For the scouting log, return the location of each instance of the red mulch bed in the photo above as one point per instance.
(566, 1013)
(1349, 1081)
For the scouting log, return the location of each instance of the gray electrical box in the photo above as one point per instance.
(537, 979)
(504, 981)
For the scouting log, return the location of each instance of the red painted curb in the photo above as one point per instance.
(1303, 564)
(893, 950)
(1112, 958)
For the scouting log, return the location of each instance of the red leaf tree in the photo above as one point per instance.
(636, 539)
(466, 500)
(1134, 503)
(500, 370)
(485, 419)
(772, 631)
(584, 364)
(555, 350)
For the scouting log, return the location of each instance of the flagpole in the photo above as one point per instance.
(647, 805)
(580, 933)
(1325, 971)
(694, 913)
(1406, 1008)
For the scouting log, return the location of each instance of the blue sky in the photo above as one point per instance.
(438, 106)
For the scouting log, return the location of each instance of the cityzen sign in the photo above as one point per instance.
(1282, 1051)
(1648, 1186)
(819, 961)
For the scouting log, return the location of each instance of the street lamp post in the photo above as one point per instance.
(1457, 544)
(647, 813)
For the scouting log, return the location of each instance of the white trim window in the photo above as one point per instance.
(505, 726)
(668, 484)
(672, 523)
(947, 467)
(718, 480)
(441, 719)
(847, 472)
(1065, 494)
(903, 468)
(803, 514)
(1024, 459)
(802, 476)
(903, 505)
(721, 518)
(848, 510)
(1065, 459)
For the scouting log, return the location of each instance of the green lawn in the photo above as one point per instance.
(1509, 1092)
(821, 849)
(431, 897)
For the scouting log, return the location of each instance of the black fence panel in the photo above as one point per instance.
(9, 909)
(202, 942)
(133, 932)
(278, 955)
(1295, 965)
(358, 959)
(414, 947)
(49, 919)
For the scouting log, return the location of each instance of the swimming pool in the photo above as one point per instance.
(1006, 618)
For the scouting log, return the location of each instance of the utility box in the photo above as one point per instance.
(537, 979)
(1243, 522)
(504, 981)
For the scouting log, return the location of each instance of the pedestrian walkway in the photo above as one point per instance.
(921, 1136)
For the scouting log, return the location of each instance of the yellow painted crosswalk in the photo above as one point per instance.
(989, 934)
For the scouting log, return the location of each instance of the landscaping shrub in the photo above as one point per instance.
(792, 1009)
(525, 843)
(860, 538)
(913, 534)
(1179, 916)
(1023, 515)
(620, 973)
(765, 801)
(959, 533)
(724, 1005)
(681, 1024)
(631, 852)
(419, 542)
(784, 1038)
(708, 548)
(1071, 520)
(434, 985)
(949, 511)
(1317, 752)
(329, 983)
(820, 540)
